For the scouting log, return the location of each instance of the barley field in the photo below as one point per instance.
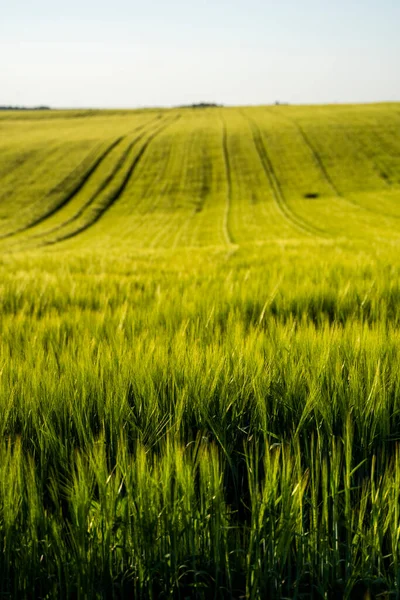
(200, 353)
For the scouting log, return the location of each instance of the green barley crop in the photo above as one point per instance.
(199, 354)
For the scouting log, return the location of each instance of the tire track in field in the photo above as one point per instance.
(104, 184)
(228, 173)
(115, 195)
(316, 156)
(278, 195)
(329, 180)
(148, 193)
(70, 194)
(326, 175)
(318, 160)
(77, 185)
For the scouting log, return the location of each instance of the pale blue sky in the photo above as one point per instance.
(125, 53)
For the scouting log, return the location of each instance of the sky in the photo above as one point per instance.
(128, 54)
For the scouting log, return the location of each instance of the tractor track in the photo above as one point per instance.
(149, 193)
(318, 161)
(76, 188)
(120, 163)
(228, 204)
(77, 185)
(279, 197)
(328, 179)
(100, 211)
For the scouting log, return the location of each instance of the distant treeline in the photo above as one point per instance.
(202, 105)
(25, 108)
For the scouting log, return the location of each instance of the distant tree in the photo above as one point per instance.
(202, 105)
(25, 108)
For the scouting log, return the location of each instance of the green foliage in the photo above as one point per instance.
(199, 383)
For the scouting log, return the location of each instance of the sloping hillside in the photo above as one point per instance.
(215, 176)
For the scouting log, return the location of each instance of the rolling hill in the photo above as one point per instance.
(176, 178)
(199, 353)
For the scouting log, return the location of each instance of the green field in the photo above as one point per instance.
(200, 353)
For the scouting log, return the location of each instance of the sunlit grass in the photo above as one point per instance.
(190, 414)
